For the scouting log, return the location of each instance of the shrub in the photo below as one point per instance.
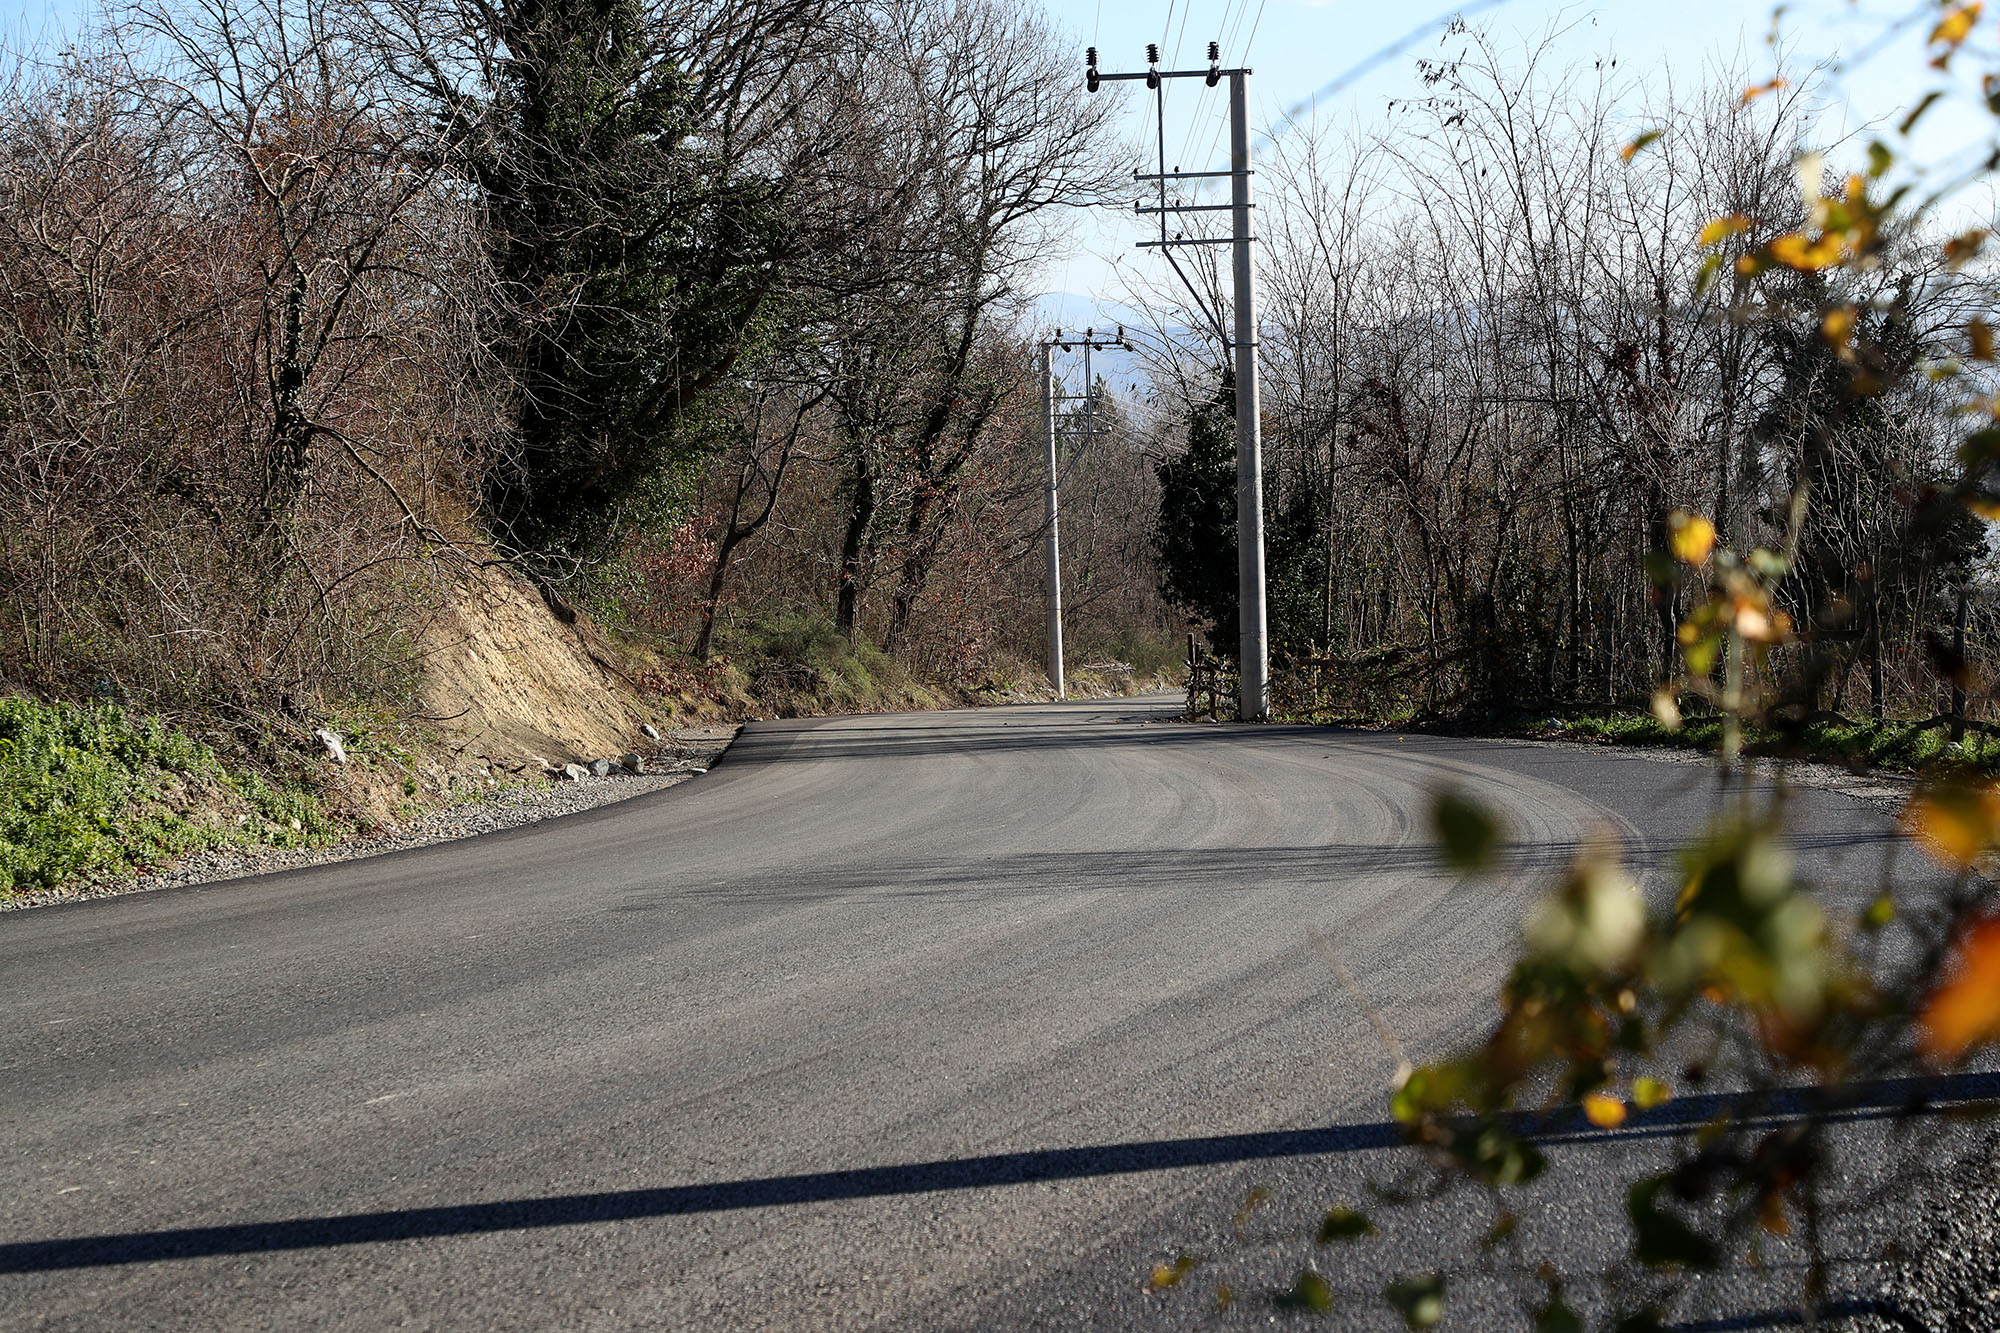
(91, 790)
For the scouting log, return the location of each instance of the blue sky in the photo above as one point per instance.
(1297, 47)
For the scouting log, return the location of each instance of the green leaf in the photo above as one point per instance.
(1980, 447)
(1917, 112)
(1771, 565)
(1503, 1226)
(1309, 1292)
(1419, 1298)
(1496, 1155)
(1343, 1223)
(1252, 1201)
(1465, 831)
(1639, 145)
(1659, 1239)
(1165, 1276)
(1557, 1317)
(1704, 278)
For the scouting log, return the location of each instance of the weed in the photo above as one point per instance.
(88, 791)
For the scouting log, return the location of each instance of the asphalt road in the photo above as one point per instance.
(960, 1020)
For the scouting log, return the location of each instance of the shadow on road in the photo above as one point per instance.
(1232, 870)
(1879, 1100)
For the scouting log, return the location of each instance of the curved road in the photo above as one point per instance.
(951, 1020)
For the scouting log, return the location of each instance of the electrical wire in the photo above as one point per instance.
(1194, 125)
(1341, 81)
(1241, 56)
(1255, 24)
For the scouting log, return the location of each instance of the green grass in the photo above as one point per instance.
(93, 791)
(1149, 655)
(802, 662)
(1891, 744)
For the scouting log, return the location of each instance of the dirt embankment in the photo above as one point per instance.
(509, 680)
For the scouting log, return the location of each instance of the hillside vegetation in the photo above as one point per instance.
(479, 383)
(1527, 326)
(492, 381)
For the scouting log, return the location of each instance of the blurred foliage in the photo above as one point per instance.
(1750, 977)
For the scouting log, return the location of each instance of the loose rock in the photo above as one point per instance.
(601, 768)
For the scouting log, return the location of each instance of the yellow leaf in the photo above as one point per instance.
(1965, 246)
(1722, 228)
(1956, 822)
(1633, 149)
(1985, 508)
(1691, 536)
(1700, 654)
(1603, 1110)
(1794, 250)
(1648, 1092)
(1838, 327)
(1965, 1011)
(1980, 334)
(1757, 90)
(1956, 25)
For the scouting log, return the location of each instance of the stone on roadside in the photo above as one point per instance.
(649, 731)
(331, 744)
(632, 764)
(601, 768)
(570, 773)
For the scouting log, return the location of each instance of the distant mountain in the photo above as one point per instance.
(1075, 314)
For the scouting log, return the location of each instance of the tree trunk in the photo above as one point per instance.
(1874, 645)
(1958, 666)
(853, 572)
(915, 570)
(723, 551)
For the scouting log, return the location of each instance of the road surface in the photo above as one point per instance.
(959, 1020)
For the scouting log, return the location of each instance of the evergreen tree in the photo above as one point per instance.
(637, 250)
(1195, 537)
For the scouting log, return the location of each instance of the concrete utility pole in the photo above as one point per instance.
(1052, 396)
(1052, 543)
(1253, 700)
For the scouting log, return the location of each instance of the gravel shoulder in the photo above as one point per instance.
(1885, 791)
(682, 754)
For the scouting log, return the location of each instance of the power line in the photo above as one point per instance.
(1182, 35)
(1255, 24)
(1346, 77)
(1253, 656)
(1051, 398)
(1194, 125)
